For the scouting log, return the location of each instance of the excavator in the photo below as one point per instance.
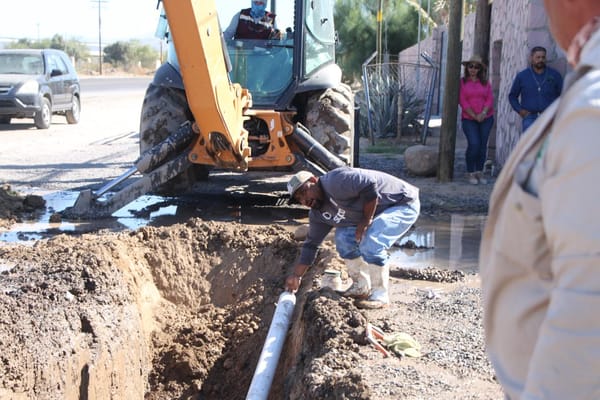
(275, 104)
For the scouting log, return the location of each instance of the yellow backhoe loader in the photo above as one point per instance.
(286, 110)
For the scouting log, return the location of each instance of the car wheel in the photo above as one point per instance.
(73, 114)
(163, 111)
(43, 118)
(5, 120)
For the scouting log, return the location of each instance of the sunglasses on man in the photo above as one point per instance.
(474, 66)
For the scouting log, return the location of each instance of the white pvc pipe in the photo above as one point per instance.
(269, 356)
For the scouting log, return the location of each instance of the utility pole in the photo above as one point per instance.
(100, 2)
(449, 115)
(481, 43)
(379, 32)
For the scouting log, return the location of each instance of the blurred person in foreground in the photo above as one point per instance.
(540, 252)
(370, 211)
(534, 88)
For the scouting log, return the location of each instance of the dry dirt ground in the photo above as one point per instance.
(181, 312)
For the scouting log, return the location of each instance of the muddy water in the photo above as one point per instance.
(149, 211)
(449, 242)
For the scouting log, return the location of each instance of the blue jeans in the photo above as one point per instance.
(477, 134)
(528, 121)
(386, 228)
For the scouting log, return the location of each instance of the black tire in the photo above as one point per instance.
(5, 120)
(163, 111)
(43, 118)
(330, 119)
(74, 113)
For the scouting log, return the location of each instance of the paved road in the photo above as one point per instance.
(102, 146)
(107, 85)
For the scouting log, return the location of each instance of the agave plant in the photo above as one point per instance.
(393, 104)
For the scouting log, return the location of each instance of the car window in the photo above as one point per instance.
(33, 65)
(30, 64)
(319, 42)
(68, 64)
(55, 62)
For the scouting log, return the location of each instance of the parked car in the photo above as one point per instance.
(36, 84)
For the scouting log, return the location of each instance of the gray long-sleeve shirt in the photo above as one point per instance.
(346, 190)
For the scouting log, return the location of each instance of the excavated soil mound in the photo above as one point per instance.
(163, 313)
(13, 206)
(182, 312)
(148, 312)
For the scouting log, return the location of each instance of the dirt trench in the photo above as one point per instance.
(171, 312)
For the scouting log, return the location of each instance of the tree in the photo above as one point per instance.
(72, 47)
(447, 143)
(130, 54)
(357, 27)
(22, 44)
(145, 55)
(118, 54)
(440, 12)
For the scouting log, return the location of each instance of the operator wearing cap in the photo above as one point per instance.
(370, 210)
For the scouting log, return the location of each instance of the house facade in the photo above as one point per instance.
(515, 27)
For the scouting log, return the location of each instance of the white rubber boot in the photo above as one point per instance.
(358, 270)
(380, 278)
(472, 178)
(480, 177)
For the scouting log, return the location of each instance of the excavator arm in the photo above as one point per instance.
(217, 104)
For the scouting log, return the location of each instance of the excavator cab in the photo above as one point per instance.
(266, 69)
(301, 58)
(293, 74)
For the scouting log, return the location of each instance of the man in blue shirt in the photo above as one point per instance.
(370, 211)
(535, 88)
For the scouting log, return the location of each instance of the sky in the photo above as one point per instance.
(120, 20)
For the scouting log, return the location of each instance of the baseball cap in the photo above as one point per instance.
(297, 180)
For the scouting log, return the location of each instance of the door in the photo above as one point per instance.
(59, 83)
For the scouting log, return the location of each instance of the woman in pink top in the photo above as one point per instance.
(477, 105)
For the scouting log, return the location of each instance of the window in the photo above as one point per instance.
(56, 62)
(319, 44)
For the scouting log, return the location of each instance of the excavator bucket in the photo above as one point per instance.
(156, 172)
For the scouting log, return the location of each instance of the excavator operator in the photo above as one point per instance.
(253, 23)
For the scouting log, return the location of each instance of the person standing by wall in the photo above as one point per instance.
(540, 252)
(534, 88)
(477, 104)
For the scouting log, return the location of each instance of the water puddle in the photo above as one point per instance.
(147, 210)
(450, 242)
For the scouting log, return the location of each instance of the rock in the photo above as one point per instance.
(421, 160)
(34, 202)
